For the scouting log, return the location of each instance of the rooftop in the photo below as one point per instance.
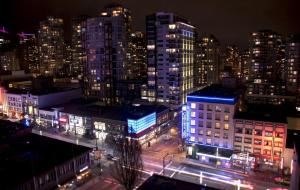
(156, 182)
(214, 94)
(94, 109)
(45, 91)
(32, 155)
(260, 112)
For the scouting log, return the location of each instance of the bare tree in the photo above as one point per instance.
(128, 164)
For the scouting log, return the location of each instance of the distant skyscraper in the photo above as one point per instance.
(4, 37)
(78, 45)
(232, 61)
(267, 70)
(28, 52)
(245, 65)
(293, 64)
(267, 56)
(208, 60)
(107, 66)
(170, 59)
(9, 60)
(51, 46)
(137, 56)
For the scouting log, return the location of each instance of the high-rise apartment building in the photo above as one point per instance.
(4, 37)
(293, 64)
(208, 61)
(28, 52)
(267, 56)
(51, 46)
(136, 56)
(106, 42)
(232, 61)
(267, 70)
(170, 59)
(78, 45)
(245, 65)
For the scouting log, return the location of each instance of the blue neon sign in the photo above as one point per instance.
(139, 125)
(211, 99)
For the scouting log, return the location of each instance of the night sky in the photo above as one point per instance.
(229, 20)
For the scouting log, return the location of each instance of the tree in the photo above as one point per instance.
(128, 164)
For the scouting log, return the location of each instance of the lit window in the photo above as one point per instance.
(208, 141)
(172, 26)
(193, 105)
(218, 125)
(200, 140)
(193, 130)
(193, 122)
(208, 133)
(192, 138)
(193, 114)
(226, 117)
(226, 126)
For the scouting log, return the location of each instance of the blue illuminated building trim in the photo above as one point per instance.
(139, 125)
(211, 99)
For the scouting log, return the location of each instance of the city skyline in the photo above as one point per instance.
(224, 20)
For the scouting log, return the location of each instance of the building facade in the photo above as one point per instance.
(292, 52)
(208, 61)
(106, 49)
(170, 59)
(51, 46)
(207, 123)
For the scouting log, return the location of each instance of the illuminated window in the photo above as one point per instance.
(193, 105)
(192, 138)
(172, 26)
(193, 122)
(226, 117)
(208, 133)
(200, 140)
(193, 114)
(193, 130)
(208, 141)
(226, 126)
(217, 134)
(200, 132)
(218, 125)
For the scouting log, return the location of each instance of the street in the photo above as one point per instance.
(176, 166)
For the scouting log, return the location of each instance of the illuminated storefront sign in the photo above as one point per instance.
(139, 125)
